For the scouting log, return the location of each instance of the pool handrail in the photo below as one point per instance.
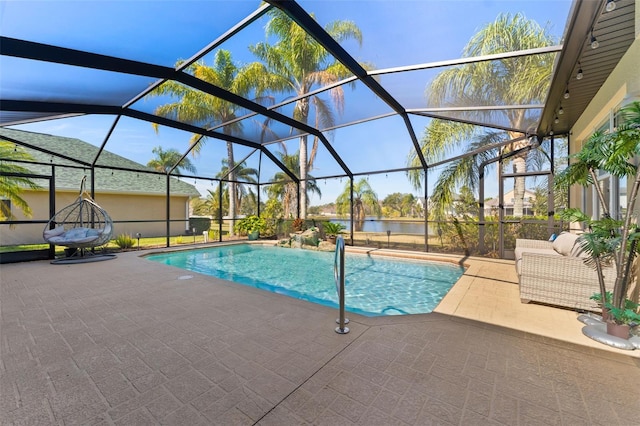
(338, 274)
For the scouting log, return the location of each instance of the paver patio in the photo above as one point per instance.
(132, 342)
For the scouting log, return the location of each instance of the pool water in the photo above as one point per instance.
(374, 285)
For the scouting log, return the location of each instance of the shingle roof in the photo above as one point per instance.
(106, 180)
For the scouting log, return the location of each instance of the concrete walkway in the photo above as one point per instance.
(132, 342)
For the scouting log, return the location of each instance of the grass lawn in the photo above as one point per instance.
(144, 243)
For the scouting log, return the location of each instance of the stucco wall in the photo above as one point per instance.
(119, 207)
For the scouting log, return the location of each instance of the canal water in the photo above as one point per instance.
(372, 224)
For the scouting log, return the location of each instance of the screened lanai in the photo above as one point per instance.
(208, 79)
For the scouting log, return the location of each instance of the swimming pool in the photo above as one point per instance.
(375, 285)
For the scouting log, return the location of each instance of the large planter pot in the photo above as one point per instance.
(618, 330)
(254, 235)
(331, 239)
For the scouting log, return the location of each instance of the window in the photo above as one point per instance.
(615, 190)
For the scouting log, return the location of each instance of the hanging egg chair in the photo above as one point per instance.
(80, 225)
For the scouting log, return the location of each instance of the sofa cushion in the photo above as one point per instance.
(564, 243)
(519, 250)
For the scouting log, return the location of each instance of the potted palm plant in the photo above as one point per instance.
(331, 230)
(610, 240)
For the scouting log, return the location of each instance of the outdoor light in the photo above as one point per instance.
(611, 4)
(561, 111)
(579, 75)
(566, 94)
(138, 235)
(557, 120)
(594, 42)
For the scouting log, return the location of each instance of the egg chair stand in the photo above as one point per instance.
(81, 227)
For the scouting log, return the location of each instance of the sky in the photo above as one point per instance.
(395, 33)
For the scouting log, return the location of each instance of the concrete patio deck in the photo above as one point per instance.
(132, 342)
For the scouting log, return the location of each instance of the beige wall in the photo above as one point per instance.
(119, 207)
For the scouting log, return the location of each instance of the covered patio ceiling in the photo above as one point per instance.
(112, 81)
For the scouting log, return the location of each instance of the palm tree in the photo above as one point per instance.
(299, 64)
(11, 187)
(165, 160)
(364, 198)
(285, 190)
(242, 174)
(196, 107)
(509, 81)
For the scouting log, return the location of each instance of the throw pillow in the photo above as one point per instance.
(563, 244)
(49, 233)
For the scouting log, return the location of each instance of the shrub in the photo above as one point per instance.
(250, 224)
(124, 241)
(332, 228)
(200, 224)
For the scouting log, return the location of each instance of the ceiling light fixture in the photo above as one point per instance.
(557, 120)
(566, 94)
(594, 42)
(579, 75)
(611, 4)
(560, 111)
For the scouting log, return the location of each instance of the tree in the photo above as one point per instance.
(365, 200)
(407, 205)
(196, 107)
(242, 174)
(509, 81)
(466, 205)
(298, 64)
(165, 160)
(393, 204)
(402, 204)
(203, 207)
(11, 187)
(540, 205)
(284, 189)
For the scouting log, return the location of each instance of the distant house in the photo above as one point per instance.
(491, 206)
(130, 197)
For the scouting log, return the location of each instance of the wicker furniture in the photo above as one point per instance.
(557, 278)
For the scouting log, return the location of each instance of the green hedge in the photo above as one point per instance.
(201, 224)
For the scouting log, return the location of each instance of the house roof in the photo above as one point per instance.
(508, 196)
(72, 154)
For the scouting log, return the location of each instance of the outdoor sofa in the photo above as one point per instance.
(554, 273)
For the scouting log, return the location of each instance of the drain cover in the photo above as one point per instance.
(185, 277)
